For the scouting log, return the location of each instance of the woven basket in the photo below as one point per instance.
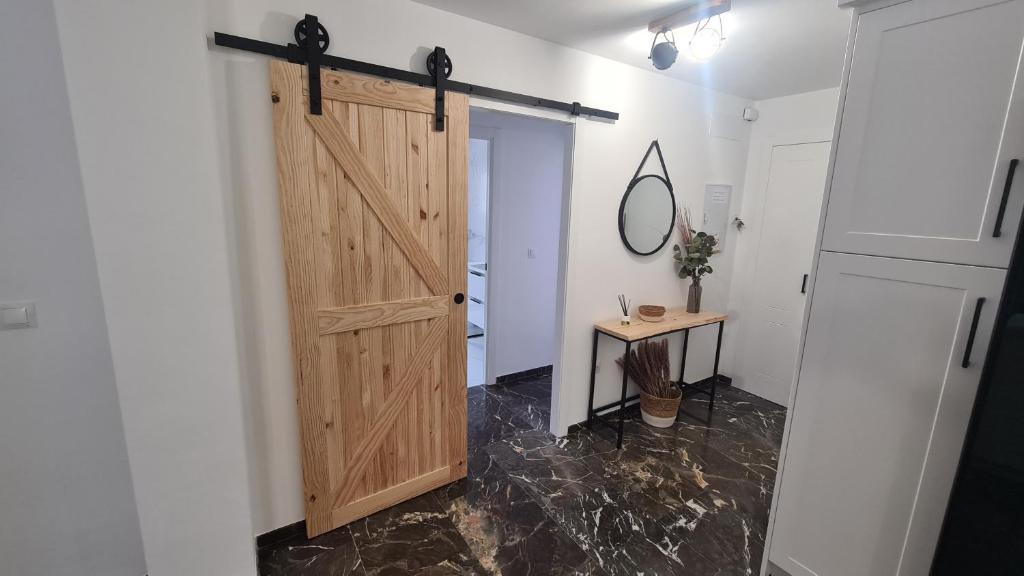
(660, 412)
(651, 313)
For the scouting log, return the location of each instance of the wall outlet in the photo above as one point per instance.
(531, 253)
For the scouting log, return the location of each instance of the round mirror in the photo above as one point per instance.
(647, 215)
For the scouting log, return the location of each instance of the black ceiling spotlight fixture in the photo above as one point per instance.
(663, 54)
(706, 39)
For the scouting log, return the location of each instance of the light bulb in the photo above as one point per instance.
(705, 44)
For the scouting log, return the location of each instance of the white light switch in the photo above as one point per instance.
(14, 315)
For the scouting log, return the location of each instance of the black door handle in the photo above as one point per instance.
(998, 230)
(803, 285)
(970, 335)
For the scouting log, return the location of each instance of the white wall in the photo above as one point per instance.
(606, 156)
(139, 78)
(399, 33)
(807, 117)
(66, 503)
(529, 172)
(178, 167)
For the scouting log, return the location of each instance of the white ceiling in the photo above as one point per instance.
(772, 47)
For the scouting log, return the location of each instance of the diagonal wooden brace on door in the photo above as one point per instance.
(344, 150)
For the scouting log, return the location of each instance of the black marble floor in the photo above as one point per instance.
(692, 499)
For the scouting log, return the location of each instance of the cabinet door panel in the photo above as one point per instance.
(930, 123)
(478, 287)
(880, 413)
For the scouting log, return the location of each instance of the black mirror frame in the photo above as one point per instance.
(629, 189)
(622, 214)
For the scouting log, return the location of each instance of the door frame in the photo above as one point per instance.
(493, 134)
(752, 210)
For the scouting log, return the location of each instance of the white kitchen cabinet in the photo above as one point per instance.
(477, 286)
(476, 313)
(880, 413)
(477, 290)
(932, 118)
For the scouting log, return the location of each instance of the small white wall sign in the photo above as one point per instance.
(716, 211)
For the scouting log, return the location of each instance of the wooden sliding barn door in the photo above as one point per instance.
(373, 209)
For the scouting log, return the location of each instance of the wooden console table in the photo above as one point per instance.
(676, 320)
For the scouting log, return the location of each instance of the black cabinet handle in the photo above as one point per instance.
(998, 231)
(803, 285)
(476, 300)
(460, 298)
(970, 335)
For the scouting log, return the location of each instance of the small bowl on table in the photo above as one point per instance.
(651, 313)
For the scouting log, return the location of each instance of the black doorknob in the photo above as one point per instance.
(460, 298)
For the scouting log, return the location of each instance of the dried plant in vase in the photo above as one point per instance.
(691, 259)
(659, 397)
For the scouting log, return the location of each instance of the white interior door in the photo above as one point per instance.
(880, 413)
(932, 120)
(773, 308)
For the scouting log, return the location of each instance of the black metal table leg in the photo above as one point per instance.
(714, 377)
(622, 400)
(593, 373)
(682, 363)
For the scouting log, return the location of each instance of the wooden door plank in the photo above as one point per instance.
(296, 180)
(360, 458)
(348, 318)
(350, 217)
(458, 232)
(328, 282)
(396, 279)
(351, 410)
(358, 170)
(417, 127)
(437, 223)
(375, 366)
